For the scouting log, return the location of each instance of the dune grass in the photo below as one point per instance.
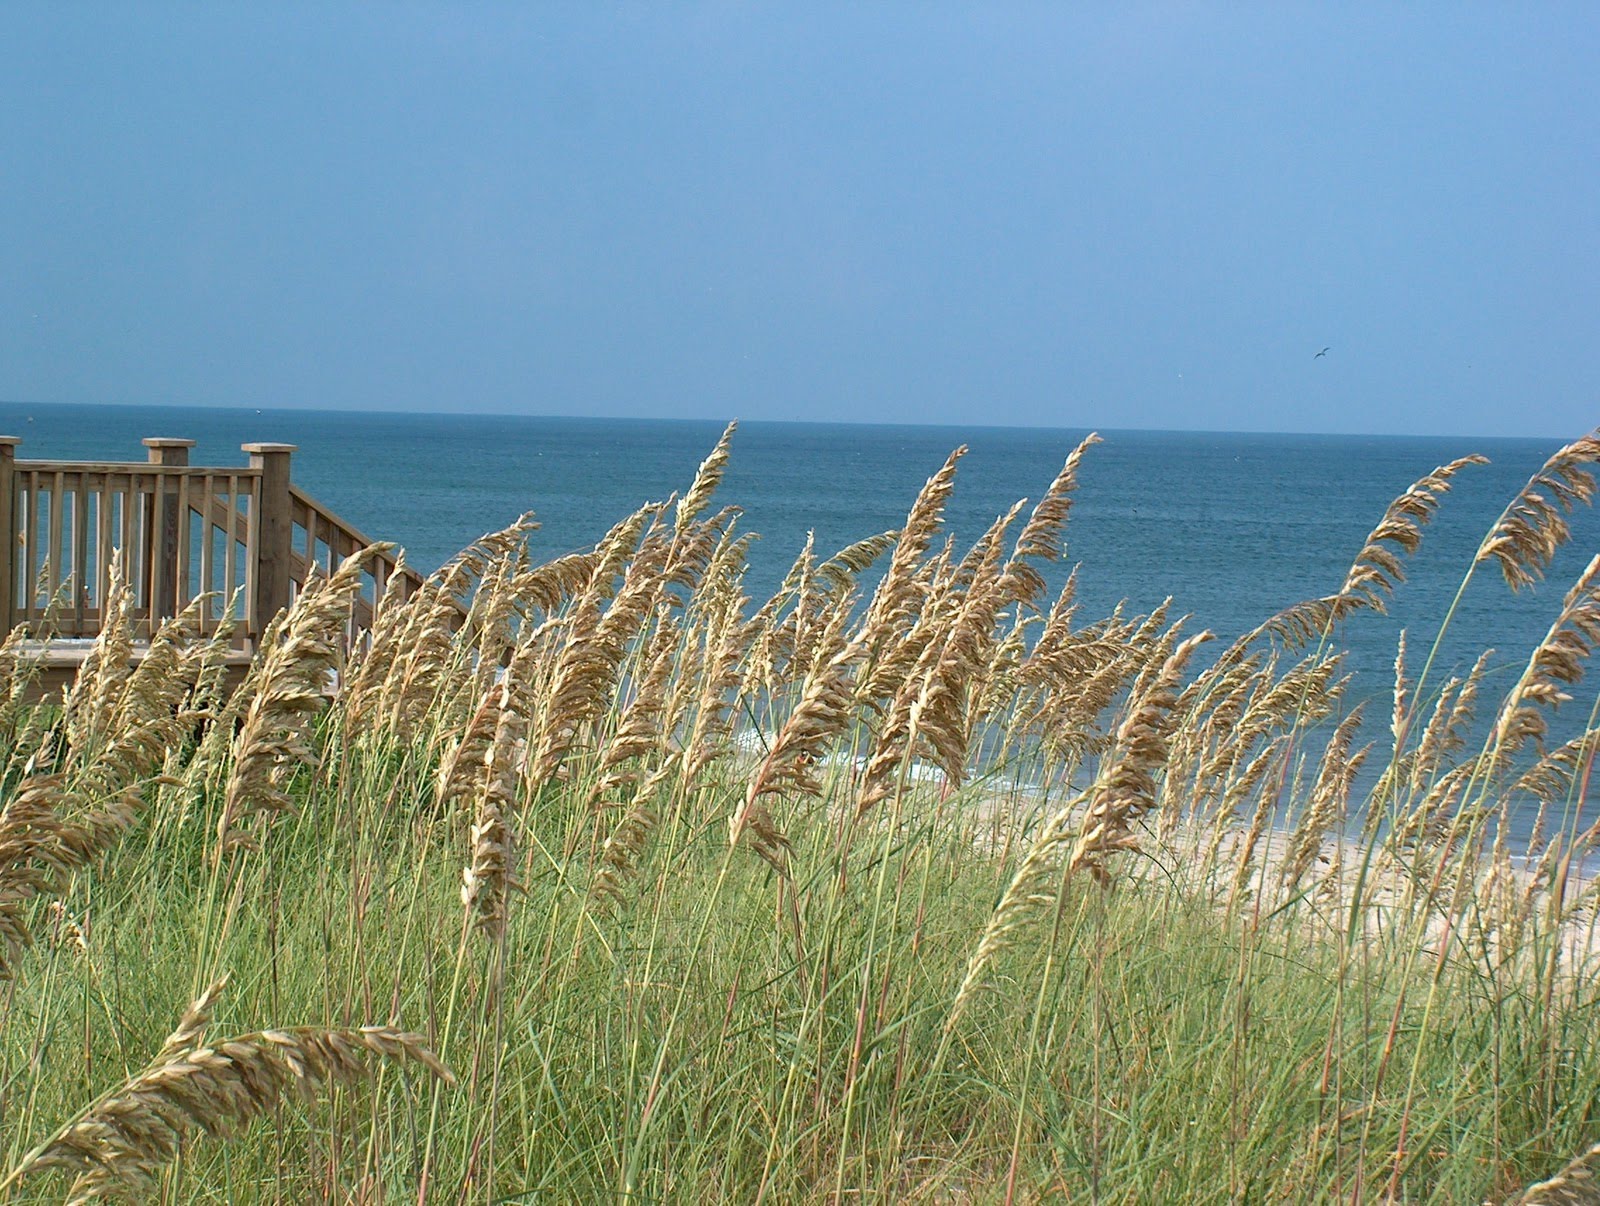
(594, 880)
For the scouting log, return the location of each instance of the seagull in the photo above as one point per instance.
(1322, 353)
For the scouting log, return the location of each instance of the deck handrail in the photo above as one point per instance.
(324, 530)
(242, 532)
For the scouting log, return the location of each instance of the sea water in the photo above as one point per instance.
(1231, 527)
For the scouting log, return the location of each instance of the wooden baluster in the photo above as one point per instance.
(8, 532)
(57, 495)
(230, 560)
(32, 549)
(105, 518)
(80, 555)
(132, 504)
(208, 501)
(184, 569)
(310, 526)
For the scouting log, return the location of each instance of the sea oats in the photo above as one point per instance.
(898, 594)
(621, 854)
(122, 1143)
(56, 823)
(1556, 662)
(1330, 796)
(995, 683)
(721, 678)
(373, 658)
(801, 744)
(492, 621)
(1555, 777)
(1243, 783)
(842, 570)
(1552, 777)
(1400, 714)
(548, 586)
(194, 1023)
(1057, 628)
(1081, 834)
(1041, 535)
(295, 672)
(1126, 788)
(706, 480)
(423, 640)
(487, 770)
(1377, 568)
(1432, 823)
(1533, 526)
(461, 770)
(927, 717)
(98, 684)
(904, 730)
(487, 879)
(640, 728)
(1578, 1184)
(32, 857)
(898, 655)
(1024, 896)
(66, 931)
(691, 552)
(579, 690)
(1245, 863)
(1443, 736)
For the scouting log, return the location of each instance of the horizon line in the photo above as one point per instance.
(957, 426)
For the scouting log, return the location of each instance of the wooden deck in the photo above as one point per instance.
(55, 664)
(242, 538)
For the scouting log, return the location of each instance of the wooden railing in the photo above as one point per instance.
(243, 536)
(322, 540)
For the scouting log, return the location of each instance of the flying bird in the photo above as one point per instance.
(1322, 353)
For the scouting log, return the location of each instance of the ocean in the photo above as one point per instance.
(1233, 527)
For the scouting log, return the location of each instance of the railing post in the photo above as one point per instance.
(271, 534)
(162, 532)
(8, 534)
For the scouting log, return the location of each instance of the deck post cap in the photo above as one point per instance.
(165, 442)
(10, 441)
(258, 447)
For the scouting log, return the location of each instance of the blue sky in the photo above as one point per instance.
(1101, 215)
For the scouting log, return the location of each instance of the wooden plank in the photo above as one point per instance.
(229, 560)
(205, 585)
(8, 533)
(80, 553)
(53, 575)
(358, 538)
(145, 468)
(308, 521)
(38, 540)
(57, 666)
(185, 556)
(8, 543)
(130, 520)
(308, 502)
(128, 525)
(105, 515)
